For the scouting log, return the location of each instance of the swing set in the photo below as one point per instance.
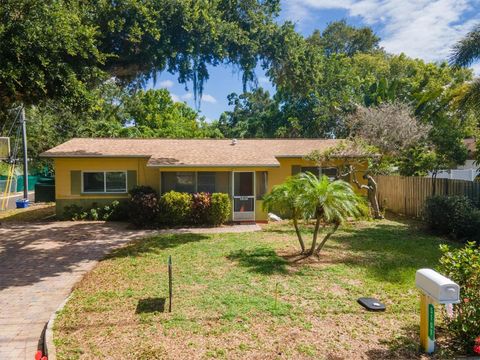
(9, 154)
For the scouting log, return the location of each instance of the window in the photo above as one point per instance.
(206, 182)
(262, 184)
(315, 170)
(105, 182)
(182, 181)
(330, 172)
(185, 182)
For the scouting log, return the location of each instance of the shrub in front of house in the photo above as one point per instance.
(463, 266)
(178, 209)
(143, 206)
(454, 216)
(116, 211)
(220, 209)
(175, 208)
(200, 211)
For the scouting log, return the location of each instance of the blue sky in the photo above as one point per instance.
(424, 29)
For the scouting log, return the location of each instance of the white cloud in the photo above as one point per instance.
(209, 98)
(263, 80)
(420, 28)
(166, 84)
(187, 96)
(175, 97)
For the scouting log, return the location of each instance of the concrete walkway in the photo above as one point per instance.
(41, 262)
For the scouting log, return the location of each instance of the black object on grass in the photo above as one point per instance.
(371, 304)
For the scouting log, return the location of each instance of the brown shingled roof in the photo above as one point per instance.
(193, 152)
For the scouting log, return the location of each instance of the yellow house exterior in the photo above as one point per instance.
(126, 163)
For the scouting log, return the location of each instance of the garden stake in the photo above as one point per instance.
(169, 283)
(276, 295)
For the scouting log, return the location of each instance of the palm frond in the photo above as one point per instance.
(471, 98)
(467, 50)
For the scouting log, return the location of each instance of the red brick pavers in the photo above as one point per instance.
(39, 265)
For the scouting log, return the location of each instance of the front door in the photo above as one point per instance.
(244, 196)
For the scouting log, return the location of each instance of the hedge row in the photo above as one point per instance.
(175, 208)
(146, 209)
(454, 216)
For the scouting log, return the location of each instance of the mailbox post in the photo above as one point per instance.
(435, 289)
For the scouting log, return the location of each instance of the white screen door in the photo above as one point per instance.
(244, 196)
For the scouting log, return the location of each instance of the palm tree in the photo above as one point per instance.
(464, 53)
(286, 197)
(331, 203)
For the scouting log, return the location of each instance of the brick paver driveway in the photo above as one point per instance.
(39, 264)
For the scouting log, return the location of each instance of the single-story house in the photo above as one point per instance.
(102, 170)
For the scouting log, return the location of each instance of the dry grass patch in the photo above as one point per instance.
(244, 296)
(35, 212)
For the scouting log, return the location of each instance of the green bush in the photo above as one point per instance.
(454, 216)
(74, 212)
(220, 209)
(175, 208)
(116, 211)
(143, 206)
(463, 267)
(200, 211)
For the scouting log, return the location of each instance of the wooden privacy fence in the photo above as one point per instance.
(407, 195)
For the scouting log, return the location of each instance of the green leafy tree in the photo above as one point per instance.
(153, 113)
(116, 112)
(58, 49)
(341, 38)
(255, 115)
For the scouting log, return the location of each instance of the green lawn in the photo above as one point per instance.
(243, 296)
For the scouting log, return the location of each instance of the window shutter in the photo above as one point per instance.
(131, 179)
(75, 182)
(296, 169)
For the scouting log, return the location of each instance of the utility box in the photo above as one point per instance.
(441, 289)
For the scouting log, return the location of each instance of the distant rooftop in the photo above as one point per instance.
(193, 152)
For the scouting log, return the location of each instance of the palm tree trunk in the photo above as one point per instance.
(315, 236)
(299, 234)
(320, 247)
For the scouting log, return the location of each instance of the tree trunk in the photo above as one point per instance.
(372, 193)
(315, 236)
(320, 247)
(373, 197)
(299, 234)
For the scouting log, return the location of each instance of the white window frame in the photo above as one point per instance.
(105, 182)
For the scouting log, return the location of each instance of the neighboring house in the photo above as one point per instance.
(102, 170)
(468, 171)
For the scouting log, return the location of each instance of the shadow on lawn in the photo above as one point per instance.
(156, 244)
(387, 251)
(150, 305)
(405, 345)
(260, 260)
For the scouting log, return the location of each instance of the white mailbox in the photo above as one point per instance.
(435, 288)
(441, 289)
